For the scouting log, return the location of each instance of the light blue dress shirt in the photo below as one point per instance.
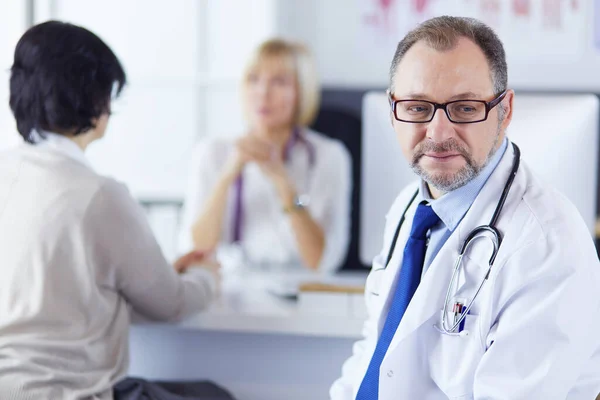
(452, 207)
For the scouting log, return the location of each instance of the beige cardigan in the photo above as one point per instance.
(76, 252)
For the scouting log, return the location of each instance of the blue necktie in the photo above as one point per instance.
(410, 276)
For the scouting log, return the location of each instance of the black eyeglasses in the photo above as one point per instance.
(458, 111)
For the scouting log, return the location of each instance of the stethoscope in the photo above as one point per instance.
(485, 231)
(238, 211)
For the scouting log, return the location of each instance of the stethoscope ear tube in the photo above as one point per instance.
(480, 232)
(485, 231)
(493, 221)
(507, 186)
(395, 239)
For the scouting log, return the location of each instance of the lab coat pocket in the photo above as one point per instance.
(454, 359)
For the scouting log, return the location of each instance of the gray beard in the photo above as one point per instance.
(448, 182)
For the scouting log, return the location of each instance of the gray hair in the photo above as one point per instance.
(443, 33)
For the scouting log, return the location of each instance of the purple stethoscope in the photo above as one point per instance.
(238, 212)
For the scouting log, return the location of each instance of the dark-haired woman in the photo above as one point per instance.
(76, 250)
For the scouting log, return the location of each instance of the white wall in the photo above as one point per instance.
(234, 29)
(155, 122)
(183, 59)
(330, 29)
(333, 29)
(12, 24)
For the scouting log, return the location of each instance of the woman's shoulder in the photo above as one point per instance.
(57, 166)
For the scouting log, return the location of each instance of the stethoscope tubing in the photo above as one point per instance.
(493, 234)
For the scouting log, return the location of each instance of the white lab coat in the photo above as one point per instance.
(267, 234)
(534, 329)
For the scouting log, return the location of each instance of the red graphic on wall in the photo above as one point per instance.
(522, 8)
(551, 14)
(490, 11)
(575, 5)
(381, 17)
(490, 6)
(385, 5)
(420, 6)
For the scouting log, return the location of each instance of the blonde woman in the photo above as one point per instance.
(280, 191)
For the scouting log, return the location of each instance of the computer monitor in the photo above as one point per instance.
(557, 135)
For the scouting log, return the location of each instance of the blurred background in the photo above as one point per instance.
(184, 60)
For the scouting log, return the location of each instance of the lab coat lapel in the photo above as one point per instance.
(389, 274)
(431, 293)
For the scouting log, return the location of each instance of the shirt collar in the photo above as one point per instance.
(63, 145)
(452, 207)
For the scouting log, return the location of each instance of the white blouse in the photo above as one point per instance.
(320, 168)
(77, 253)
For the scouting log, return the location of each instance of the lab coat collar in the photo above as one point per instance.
(62, 145)
(428, 300)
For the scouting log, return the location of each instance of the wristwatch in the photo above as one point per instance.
(300, 203)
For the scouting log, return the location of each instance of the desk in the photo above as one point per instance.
(258, 345)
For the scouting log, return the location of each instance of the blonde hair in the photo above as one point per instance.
(301, 63)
